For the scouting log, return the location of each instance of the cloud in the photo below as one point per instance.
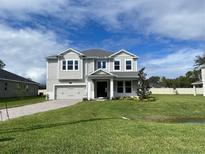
(179, 19)
(24, 50)
(172, 65)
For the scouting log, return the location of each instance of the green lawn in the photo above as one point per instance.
(98, 127)
(14, 102)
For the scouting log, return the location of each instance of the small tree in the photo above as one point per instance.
(142, 85)
(2, 64)
(200, 60)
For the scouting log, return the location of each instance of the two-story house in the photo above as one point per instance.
(91, 74)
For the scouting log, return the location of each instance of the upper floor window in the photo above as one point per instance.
(101, 64)
(63, 65)
(117, 65)
(70, 65)
(128, 64)
(76, 64)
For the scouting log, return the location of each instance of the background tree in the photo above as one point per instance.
(142, 85)
(2, 64)
(154, 81)
(179, 82)
(200, 60)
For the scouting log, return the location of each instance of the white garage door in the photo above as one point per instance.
(70, 92)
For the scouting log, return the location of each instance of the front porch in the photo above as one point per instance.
(100, 88)
(106, 85)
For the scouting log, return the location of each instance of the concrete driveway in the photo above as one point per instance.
(36, 108)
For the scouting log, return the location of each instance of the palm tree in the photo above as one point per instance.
(200, 60)
(2, 64)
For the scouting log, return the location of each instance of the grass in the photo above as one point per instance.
(98, 127)
(14, 102)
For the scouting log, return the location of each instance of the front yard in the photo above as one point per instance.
(14, 102)
(118, 126)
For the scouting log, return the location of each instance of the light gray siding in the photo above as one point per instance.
(90, 65)
(62, 84)
(52, 71)
(123, 57)
(134, 89)
(70, 74)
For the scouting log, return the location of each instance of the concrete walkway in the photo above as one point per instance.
(35, 108)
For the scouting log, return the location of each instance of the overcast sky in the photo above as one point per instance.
(166, 35)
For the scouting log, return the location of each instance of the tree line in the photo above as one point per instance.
(181, 81)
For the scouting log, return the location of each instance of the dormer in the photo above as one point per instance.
(123, 61)
(70, 65)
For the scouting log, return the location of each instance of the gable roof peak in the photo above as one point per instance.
(125, 51)
(70, 49)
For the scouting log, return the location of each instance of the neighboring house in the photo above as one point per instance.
(202, 82)
(91, 74)
(12, 85)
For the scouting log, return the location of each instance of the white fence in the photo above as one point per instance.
(43, 91)
(173, 91)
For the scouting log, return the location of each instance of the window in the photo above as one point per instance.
(117, 65)
(6, 84)
(27, 88)
(120, 86)
(128, 87)
(128, 64)
(63, 65)
(76, 64)
(70, 64)
(101, 64)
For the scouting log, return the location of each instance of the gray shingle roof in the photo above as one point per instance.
(96, 53)
(52, 57)
(11, 76)
(126, 74)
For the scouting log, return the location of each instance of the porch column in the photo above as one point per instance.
(204, 88)
(89, 89)
(194, 90)
(111, 89)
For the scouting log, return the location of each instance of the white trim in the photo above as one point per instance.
(89, 90)
(125, 51)
(67, 50)
(114, 70)
(93, 64)
(58, 72)
(124, 86)
(61, 64)
(47, 70)
(82, 67)
(111, 88)
(67, 84)
(136, 65)
(125, 68)
(100, 70)
(95, 87)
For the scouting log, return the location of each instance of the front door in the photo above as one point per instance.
(102, 89)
